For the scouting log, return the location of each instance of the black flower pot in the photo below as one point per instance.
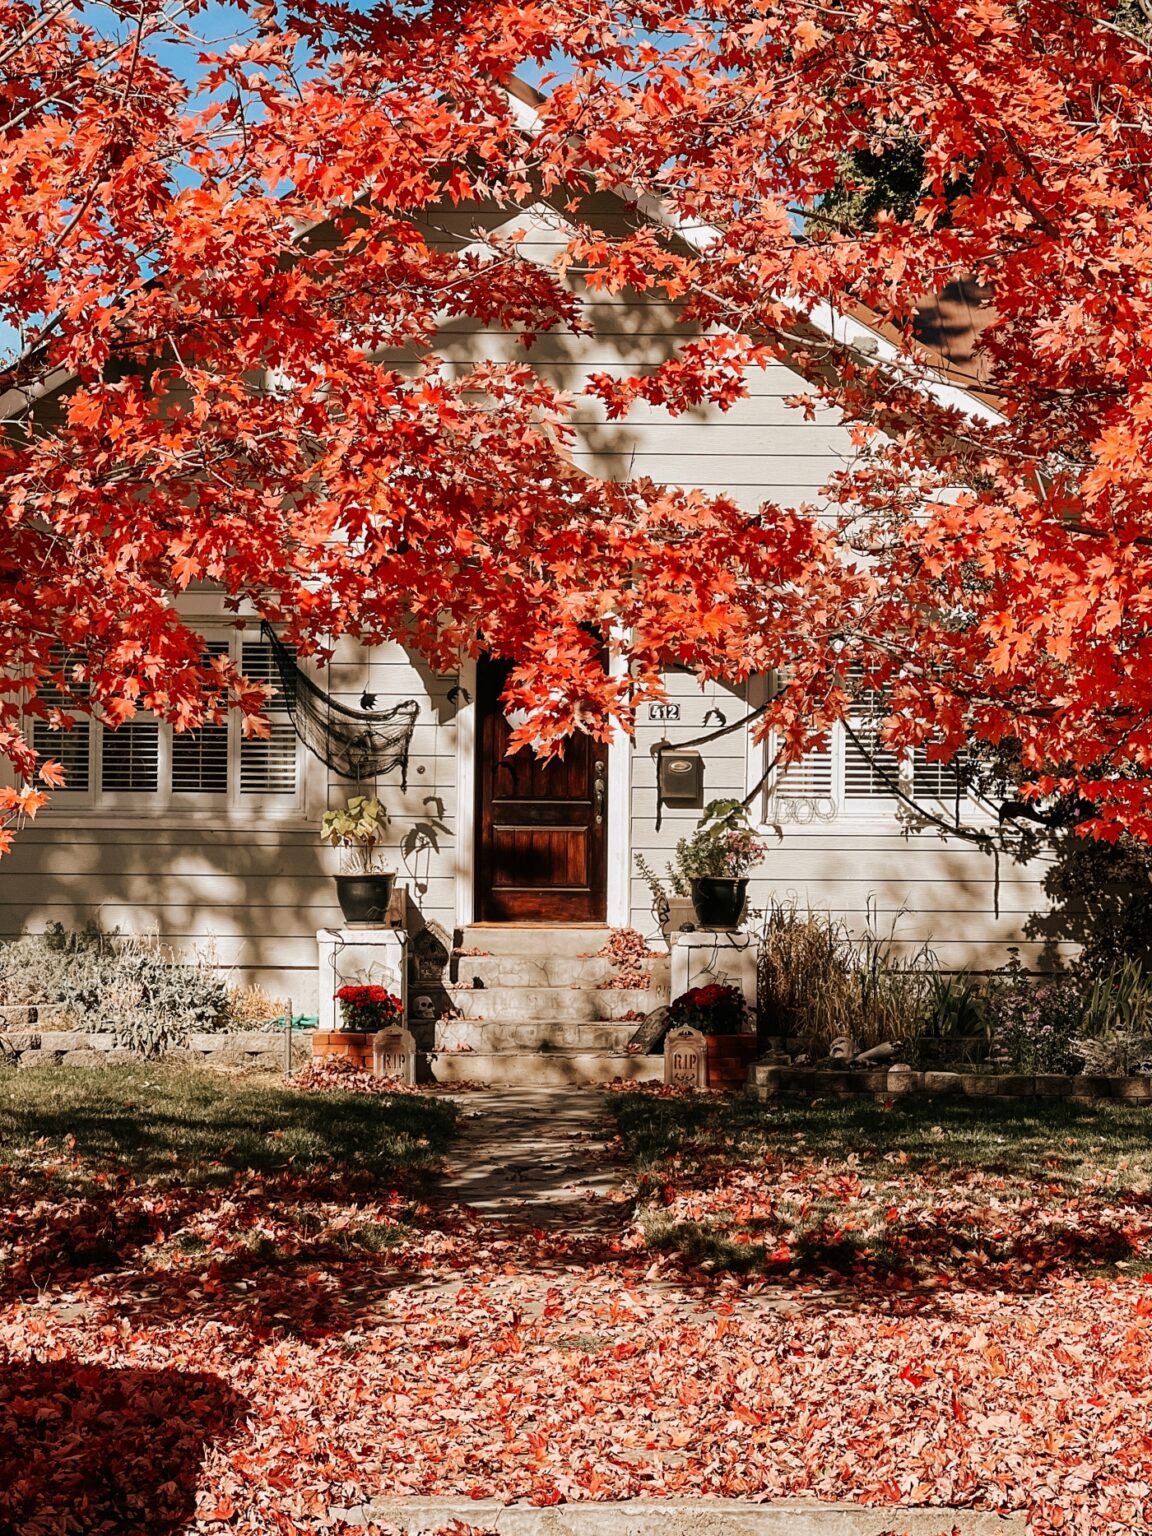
(364, 898)
(719, 902)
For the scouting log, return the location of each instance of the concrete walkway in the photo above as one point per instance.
(537, 1156)
(679, 1517)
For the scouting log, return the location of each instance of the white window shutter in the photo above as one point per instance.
(71, 749)
(200, 757)
(935, 780)
(871, 769)
(130, 759)
(809, 777)
(268, 765)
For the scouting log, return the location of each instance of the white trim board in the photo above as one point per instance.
(466, 749)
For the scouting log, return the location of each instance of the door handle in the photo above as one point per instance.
(599, 791)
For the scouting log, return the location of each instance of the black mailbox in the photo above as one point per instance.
(681, 778)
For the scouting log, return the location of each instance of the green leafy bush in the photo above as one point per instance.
(130, 984)
(955, 1024)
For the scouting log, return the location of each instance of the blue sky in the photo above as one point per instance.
(213, 28)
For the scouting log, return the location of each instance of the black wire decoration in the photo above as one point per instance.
(354, 743)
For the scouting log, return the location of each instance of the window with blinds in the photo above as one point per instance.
(208, 769)
(200, 757)
(71, 749)
(935, 781)
(871, 768)
(810, 777)
(130, 758)
(268, 765)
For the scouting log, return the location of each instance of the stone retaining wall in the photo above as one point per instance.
(765, 1080)
(31, 1045)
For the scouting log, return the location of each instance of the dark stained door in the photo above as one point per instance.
(541, 826)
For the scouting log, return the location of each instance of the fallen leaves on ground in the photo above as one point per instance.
(246, 1360)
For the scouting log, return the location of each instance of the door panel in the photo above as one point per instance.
(541, 827)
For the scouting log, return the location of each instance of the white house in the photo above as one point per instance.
(213, 840)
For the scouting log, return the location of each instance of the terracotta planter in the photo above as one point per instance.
(729, 1057)
(354, 1047)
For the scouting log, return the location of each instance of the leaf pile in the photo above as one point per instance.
(244, 1358)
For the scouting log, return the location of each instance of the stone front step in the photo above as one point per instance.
(545, 970)
(573, 941)
(575, 1003)
(542, 1069)
(531, 1035)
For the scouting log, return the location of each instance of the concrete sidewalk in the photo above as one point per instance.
(540, 1156)
(679, 1517)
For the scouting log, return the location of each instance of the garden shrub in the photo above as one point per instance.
(818, 982)
(1034, 1022)
(128, 983)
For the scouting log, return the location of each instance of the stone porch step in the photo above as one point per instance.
(531, 1035)
(539, 1069)
(545, 970)
(570, 940)
(532, 1002)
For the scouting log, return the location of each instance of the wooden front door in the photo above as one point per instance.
(541, 826)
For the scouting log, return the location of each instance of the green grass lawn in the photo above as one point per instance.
(199, 1127)
(191, 1192)
(940, 1191)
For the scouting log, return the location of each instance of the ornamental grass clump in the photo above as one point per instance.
(365, 1009)
(817, 982)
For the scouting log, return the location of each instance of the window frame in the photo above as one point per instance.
(842, 807)
(195, 807)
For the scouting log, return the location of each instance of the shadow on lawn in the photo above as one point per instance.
(106, 1452)
(273, 1266)
(181, 1194)
(976, 1197)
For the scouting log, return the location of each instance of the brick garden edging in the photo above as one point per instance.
(766, 1080)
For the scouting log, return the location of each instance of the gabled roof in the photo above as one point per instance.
(946, 329)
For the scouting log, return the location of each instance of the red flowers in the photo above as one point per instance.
(361, 995)
(368, 1008)
(714, 1009)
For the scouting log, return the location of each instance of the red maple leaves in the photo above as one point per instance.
(256, 302)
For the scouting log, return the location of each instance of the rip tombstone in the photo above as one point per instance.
(685, 1058)
(394, 1055)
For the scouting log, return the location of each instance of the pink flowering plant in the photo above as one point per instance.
(1034, 1021)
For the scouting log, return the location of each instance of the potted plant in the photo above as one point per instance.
(714, 863)
(720, 1014)
(363, 888)
(364, 1009)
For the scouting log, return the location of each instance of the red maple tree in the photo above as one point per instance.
(237, 289)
